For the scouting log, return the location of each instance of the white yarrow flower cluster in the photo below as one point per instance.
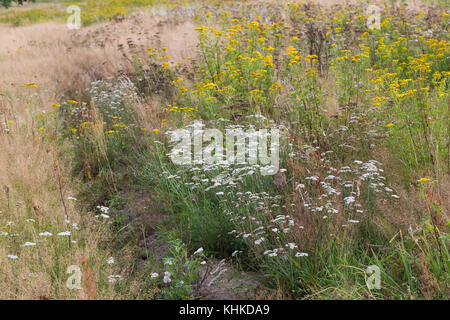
(113, 278)
(166, 278)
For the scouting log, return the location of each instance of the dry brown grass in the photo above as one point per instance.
(59, 61)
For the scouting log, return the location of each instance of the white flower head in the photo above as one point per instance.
(349, 200)
(257, 242)
(199, 250)
(235, 253)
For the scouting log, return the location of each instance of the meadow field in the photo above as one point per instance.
(352, 203)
